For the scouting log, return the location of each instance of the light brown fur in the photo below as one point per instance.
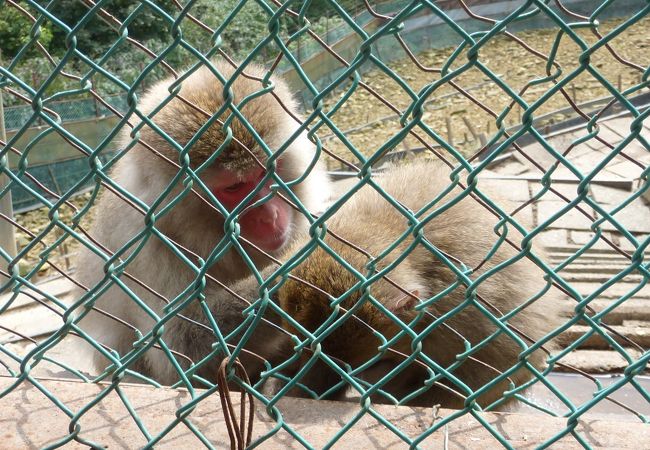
(205, 94)
(192, 224)
(465, 232)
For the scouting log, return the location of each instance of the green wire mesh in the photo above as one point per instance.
(60, 75)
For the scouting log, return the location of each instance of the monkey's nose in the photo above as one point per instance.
(270, 218)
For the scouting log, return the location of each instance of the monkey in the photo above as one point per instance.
(419, 304)
(151, 249)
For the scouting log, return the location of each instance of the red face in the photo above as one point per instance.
(267, 225)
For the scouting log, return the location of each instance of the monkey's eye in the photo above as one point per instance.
(234, 187)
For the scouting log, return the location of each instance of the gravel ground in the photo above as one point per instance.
(37, 222)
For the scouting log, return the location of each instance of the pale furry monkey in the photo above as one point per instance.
(192, 223)
(464, 232)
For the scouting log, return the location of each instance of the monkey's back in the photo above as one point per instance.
(463, 233)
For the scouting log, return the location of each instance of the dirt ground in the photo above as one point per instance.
(368, 123)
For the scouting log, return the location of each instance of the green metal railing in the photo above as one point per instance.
(74, 73)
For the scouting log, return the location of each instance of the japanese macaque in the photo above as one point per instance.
(348, 322)
(154, 244)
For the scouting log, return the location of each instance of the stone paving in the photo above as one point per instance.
(615, 183)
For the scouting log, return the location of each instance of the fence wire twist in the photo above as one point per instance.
(75, 73)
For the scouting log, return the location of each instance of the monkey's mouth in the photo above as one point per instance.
(267, 225)
(273, 242)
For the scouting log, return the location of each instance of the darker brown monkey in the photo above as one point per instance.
(469, 345)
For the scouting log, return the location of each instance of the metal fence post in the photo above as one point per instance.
(7, 230)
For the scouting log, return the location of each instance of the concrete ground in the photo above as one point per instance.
(617, 181)
(30, 420)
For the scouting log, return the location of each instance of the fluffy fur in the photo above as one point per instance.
(190, 222)
(464, 232)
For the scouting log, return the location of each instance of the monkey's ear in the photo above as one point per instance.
(405, 305)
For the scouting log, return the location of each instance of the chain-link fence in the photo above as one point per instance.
(479, 245)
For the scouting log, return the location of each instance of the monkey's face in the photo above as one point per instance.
(238, 170)
(266, 225)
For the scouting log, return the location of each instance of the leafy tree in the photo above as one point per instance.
(15, 31)
(246, 29)
(323, 8)
(240, 36)
(96, 36)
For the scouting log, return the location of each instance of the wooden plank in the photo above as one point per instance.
(615, 291)
(636, 309)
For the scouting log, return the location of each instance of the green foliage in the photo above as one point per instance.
(16, 29)
(323, 8)
(246, 29)
(250, 26)
(97, 34)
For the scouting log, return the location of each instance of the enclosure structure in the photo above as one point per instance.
(532, 114)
